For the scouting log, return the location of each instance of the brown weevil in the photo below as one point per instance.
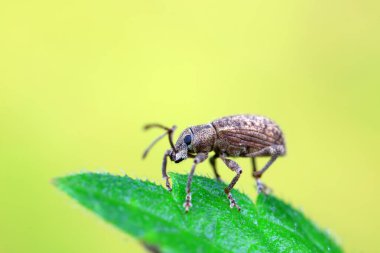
(233, 136)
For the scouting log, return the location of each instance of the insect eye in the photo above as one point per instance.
(187, 139)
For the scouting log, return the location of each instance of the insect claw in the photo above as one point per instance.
(262, 188)
(187, 206)
(167, 184)
(233, 202)
(187, 203)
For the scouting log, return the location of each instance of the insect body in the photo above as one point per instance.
(233, 136)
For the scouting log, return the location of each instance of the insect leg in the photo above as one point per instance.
(213, 165)
(234, 167)
(164, 175)
(254, 167)
(274, 152)
(198, 159)
(258, 174)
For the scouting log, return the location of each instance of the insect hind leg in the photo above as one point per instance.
(254, 167)
(274, 152)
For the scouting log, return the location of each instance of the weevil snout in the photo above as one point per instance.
(172, 155)
(177, 156)
(180, 155)
(179, 160)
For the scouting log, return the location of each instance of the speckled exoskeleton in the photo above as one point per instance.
(232, 136)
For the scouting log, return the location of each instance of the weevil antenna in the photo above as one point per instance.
(169, 132)
(152, 144)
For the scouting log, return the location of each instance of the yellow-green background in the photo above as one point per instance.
(78, 79)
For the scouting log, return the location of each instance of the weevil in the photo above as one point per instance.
(232, 136)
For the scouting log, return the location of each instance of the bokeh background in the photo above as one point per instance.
(79, 79)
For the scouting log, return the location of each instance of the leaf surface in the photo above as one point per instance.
(156, 217)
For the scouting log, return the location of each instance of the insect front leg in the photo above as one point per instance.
(234, 167)
(213, 165)
(198, 159)
(164, 175)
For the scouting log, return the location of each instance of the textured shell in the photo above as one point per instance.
(250, 131)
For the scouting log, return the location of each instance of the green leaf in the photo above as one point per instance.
(156, 217)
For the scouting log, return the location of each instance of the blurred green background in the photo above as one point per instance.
(79, 79)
